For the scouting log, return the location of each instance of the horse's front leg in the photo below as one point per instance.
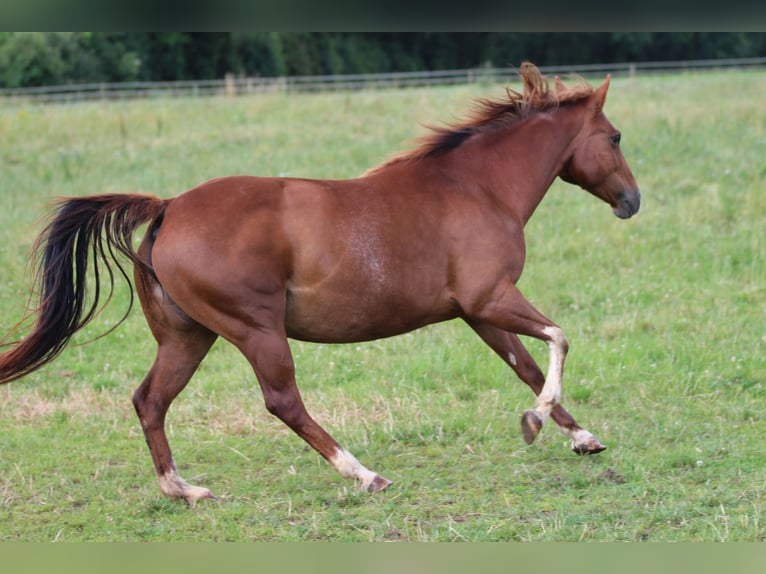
(506, 309)
(512, 351)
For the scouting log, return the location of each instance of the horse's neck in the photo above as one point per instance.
(518, 164)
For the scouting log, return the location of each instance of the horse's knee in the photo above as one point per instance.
(557, 339)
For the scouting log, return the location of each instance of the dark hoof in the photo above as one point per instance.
(379, 483)
(592, 446)
(530, 426)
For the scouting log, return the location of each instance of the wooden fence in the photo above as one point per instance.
(233, 85)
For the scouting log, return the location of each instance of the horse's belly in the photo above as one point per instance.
(357, 315)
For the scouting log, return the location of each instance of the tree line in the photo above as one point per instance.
(51, 58)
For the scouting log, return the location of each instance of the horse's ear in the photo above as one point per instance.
(559, 85)
(599, 95)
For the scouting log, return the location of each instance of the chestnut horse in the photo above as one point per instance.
(433, 234)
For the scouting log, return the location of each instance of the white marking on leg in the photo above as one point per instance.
(583, 442)
(349, 467)
(578, 436)
(512, 359)
(173, 486)
(550, 395)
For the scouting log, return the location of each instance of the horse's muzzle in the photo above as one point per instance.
(628, 205)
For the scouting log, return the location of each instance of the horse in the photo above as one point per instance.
(433, 234)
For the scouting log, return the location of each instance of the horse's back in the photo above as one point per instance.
(347, 268)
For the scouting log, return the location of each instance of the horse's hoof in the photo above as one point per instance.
(197, 493)
(530, 426)
(378, 483)
(590, 446)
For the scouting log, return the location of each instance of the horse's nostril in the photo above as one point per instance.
(628, 204)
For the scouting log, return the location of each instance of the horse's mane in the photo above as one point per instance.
(488, 115)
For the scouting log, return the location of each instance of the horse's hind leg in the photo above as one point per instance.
(266, 348)
(269, 354)
(182, 344)
(508, 346)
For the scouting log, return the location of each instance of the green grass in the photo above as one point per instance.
(665, 315)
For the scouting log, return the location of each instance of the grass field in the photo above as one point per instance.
(665, 314)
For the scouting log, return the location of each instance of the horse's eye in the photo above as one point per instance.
(615, 139)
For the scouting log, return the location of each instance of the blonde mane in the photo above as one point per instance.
(487, 115)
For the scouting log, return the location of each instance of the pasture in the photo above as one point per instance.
(665, 315)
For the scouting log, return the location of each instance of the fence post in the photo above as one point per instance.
(230, 87)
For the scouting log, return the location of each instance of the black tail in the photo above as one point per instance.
(101, 225)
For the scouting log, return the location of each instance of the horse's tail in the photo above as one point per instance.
(101, 225)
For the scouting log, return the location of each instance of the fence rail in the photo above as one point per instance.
(232, 86)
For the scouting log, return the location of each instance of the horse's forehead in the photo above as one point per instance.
(600, 122)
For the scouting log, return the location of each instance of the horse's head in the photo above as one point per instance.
(596, 163)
